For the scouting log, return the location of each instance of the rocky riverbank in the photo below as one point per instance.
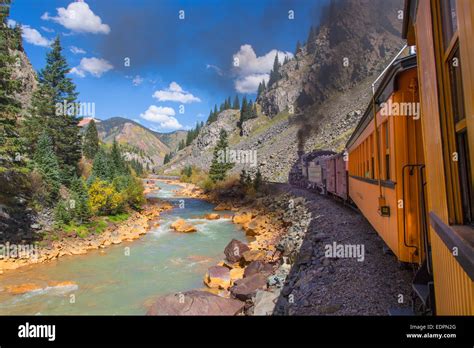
(248, 281)
(138, 224)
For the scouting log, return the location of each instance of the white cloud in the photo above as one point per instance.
(78, 17)
(175, 93)
(94, 66)
(249, 83)
(34, 37)
(31, 35)
(163, 116)
(77, 50)
(251, 70)
(137, 80)
(11, 23)
(48, 30)
(215, 68)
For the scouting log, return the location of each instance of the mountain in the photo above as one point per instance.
(321, 93)
(172, 139)
(138, 142)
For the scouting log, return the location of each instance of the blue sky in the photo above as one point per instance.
(173, 61)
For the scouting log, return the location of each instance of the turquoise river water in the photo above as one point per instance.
(111, 282)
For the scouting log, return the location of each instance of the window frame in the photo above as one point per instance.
(449, 128)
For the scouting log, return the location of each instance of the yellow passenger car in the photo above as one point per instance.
(443, 33)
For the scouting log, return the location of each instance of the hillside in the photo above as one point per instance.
(139, 142)
(172, 139)
(318, 100)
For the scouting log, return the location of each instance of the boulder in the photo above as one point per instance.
(217, 277)
(255, 227)
(245, 288)
(234, 250)
(182, 226)
(212, 216)
(195, 302)
(265, 301)
(253, 255)
(255, 267)
(236, 274)
(223, 206)
(242, 218)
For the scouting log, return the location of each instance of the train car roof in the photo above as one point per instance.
(386, 88)
(317, 153)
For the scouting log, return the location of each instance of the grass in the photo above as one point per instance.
(118, 218)
(280, 117)
(94, 227)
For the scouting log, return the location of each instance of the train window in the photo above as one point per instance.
(455, 79)
(449, 20)
(464, 175)
(387, 151)
(453, 115)
(372, 168)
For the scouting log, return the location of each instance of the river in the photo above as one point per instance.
(126, 278)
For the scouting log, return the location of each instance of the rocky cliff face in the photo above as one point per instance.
(356, 38)
(25, 74)
(321, 95)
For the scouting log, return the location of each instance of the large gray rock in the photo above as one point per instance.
(245, 288)
(265, 301)
(195, 302)
(234, 250)
(256, 267)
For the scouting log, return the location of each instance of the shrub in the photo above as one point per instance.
(104, 198)
(62, 214)
(134, 193)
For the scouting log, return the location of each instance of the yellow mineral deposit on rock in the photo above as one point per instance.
(217, 277)
(22, 288)
(242, 218)
(182, 226)
(212, 216)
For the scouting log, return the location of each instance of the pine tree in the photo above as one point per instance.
(119, 167)
(80, 211)
(257, 183)
(274, 73)
(55, 89)
(102, 167)
(236, 104)
(11, 149)
(298, 47)
(46, 163)
(259, 89)
(91, 141)
(311, 42)
(219, 166)
(167, 158)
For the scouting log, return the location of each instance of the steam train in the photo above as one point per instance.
(407, 165)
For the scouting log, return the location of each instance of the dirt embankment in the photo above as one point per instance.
(138, 224)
